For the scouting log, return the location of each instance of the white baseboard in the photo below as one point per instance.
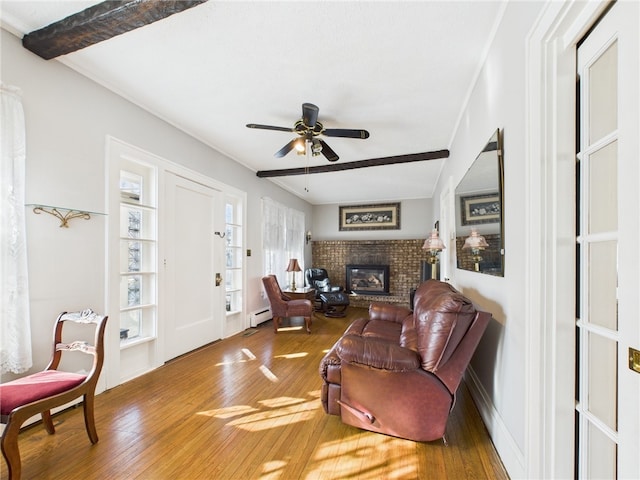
(510, 454)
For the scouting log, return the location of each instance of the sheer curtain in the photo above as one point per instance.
(282, 239)
(15, 329)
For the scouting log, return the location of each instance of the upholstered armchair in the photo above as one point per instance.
(330, 299)
(283, 306)
(318, 278)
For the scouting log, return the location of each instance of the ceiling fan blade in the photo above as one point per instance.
(328, 152)
(269, 127)
(286, 149)
(309, 114)
(345, 132)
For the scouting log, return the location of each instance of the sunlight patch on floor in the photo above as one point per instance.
(394, 458)
(279, 417)
(268, 373)
(292, 355)
(273, 413)
(229, 412)
(281, 402)
(289, 329)
(248, 353)
(272, 469)
(231, 362)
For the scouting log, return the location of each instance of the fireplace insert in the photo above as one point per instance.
(368, 279)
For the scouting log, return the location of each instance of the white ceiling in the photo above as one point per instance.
(401, 70)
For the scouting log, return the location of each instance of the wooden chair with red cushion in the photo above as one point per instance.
(38, 393)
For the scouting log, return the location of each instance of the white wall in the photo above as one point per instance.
(498, 100)
(416, 221)
(67, 120)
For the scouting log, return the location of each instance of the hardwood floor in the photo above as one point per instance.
(242, 408)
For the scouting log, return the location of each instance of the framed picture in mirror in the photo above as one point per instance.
(480, 209)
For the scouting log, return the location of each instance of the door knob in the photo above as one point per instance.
(218, 279)
(634, 359)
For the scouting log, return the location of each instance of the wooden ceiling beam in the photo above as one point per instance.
(100, 22)
(372, 162)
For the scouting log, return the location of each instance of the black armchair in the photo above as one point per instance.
(331, 299)
(318, 278)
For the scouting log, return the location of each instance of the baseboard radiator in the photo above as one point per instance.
(258, 316)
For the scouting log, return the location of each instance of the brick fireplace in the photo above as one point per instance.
(404, 258)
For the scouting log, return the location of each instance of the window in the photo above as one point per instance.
(283, 231)
(138, 253)
(233, 255)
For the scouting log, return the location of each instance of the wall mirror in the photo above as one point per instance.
(479, 207)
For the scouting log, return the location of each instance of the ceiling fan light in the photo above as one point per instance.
(300, 146)
(316, 147)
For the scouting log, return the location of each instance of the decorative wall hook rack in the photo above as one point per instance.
(62, 214)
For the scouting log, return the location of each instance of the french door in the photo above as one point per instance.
(607, 325)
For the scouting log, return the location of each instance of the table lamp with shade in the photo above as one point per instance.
(476, 243)
(433, 245)
(293, 267)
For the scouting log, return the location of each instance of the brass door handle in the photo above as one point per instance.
(634, 359)
(218, 279)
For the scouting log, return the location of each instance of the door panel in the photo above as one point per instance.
(608, 392)
(193, 309)
(447, 232)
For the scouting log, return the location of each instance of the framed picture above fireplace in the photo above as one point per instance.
(370, 217)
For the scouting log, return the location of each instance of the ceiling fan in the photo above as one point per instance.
(309, 128)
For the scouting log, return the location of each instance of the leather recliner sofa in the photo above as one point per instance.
(397, 371)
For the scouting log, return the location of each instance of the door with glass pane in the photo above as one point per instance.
(607, 390)
(192, 270)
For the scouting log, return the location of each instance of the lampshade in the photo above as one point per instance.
(475, 240)
(434, 242)
(293, 266)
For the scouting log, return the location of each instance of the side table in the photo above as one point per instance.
(305, 293)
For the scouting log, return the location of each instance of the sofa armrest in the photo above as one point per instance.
(388, 312)
(377, 353)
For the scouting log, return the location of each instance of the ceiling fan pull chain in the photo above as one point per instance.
(306, 177)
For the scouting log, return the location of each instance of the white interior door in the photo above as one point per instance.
(608, 391)
(192, 294)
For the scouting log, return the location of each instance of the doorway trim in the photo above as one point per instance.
(154, 356)
(550, 225)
